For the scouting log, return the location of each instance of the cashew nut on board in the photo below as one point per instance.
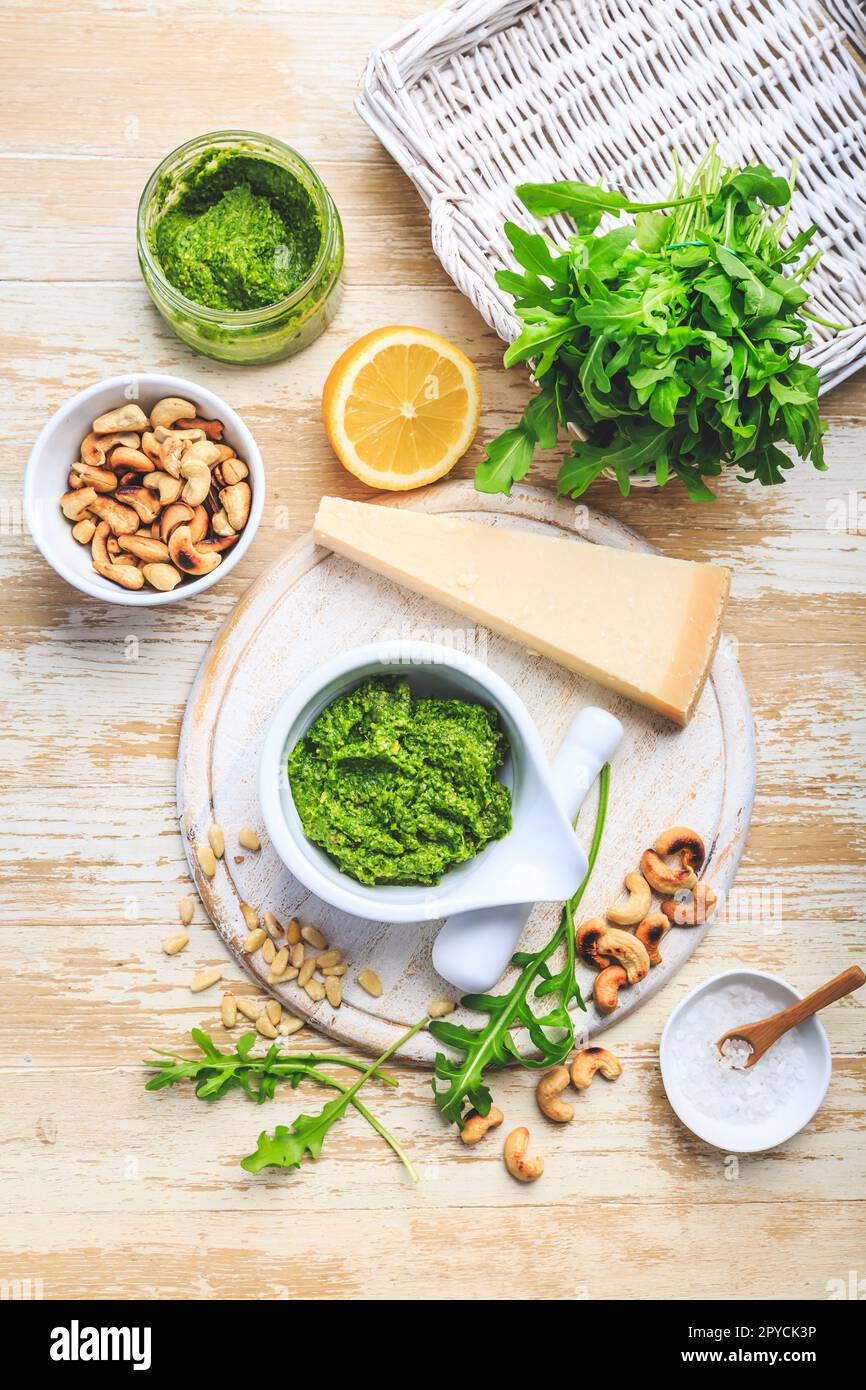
(606, 987)
(694, 909)
(156, 497)
(651, 931)
(635, 906)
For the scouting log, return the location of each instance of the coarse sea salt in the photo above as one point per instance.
(721, 1087)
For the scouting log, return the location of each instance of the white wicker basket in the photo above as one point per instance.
(484, 94)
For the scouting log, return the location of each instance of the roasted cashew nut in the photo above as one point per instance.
(164, 484)
(177, 514)
(185, 556)
(519, 1166)
(212, 428)
(475, 1126)
(606, 987)
(130, 460)
(651, 932)
(548, 1093)
(199, 524)
(591, 1060)
(88, 475)
(128, 576)
(126, 417)
(683, 841)
(236, 500)
(74, 504)
(234, 470)
(163, 577)
(84, 529)
(694, 910)
(636, 905)
(143, 502)
(168, 411)
(586, 940)
(624, 949)
(663, 877)
(145, 548)
(220, 524)
(122, 520)
(198, 480)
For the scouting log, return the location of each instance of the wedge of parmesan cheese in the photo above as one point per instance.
(641, 624)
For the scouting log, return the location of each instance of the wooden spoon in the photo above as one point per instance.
(766, 1031)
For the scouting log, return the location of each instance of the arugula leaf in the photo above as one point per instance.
(509, 459)
(456, 1082)
(584, 201)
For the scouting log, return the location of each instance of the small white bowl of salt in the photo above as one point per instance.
(734, 1108)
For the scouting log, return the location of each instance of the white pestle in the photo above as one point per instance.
(473, 949)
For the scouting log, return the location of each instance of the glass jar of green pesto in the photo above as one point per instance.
(241, 247)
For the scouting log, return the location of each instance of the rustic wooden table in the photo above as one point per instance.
(111, 1192)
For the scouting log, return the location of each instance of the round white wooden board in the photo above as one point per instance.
(313, 604)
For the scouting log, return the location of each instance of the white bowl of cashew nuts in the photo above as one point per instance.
(54, 455)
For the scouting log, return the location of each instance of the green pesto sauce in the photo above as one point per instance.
(397, 789)
(242, 234)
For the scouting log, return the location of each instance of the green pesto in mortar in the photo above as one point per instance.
(397, 788)
(242, 234)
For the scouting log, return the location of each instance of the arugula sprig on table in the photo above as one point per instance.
(493, 1044)
(216, 1072)
(672, 341)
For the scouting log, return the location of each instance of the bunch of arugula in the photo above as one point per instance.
(215, 1073)
(494, 1043)
(671, 342)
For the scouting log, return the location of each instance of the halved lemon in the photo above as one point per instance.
(401, 406)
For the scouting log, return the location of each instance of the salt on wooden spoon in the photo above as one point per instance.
(761, 1035)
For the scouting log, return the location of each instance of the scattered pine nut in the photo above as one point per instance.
(206, 860)
(217, 840)
(291, 1025)
(369, 980)
(298, 954)
(250, 1008)
(293, 932)
(273, 926)
(307, 971)
(255, 939)
(269, 951)
(249, 839)
(333, 992)
(281, 961)
(274, 1011)
(440, 1007)
(204, 979)
(332, 957)
(251, 916)
(229, 1010)
(335, 970)
(264, 1026)
(185, 910)
(173, 944)
(314, 937)
(316, 990)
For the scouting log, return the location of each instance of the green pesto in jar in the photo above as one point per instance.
(396, 788)
(243, 233)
